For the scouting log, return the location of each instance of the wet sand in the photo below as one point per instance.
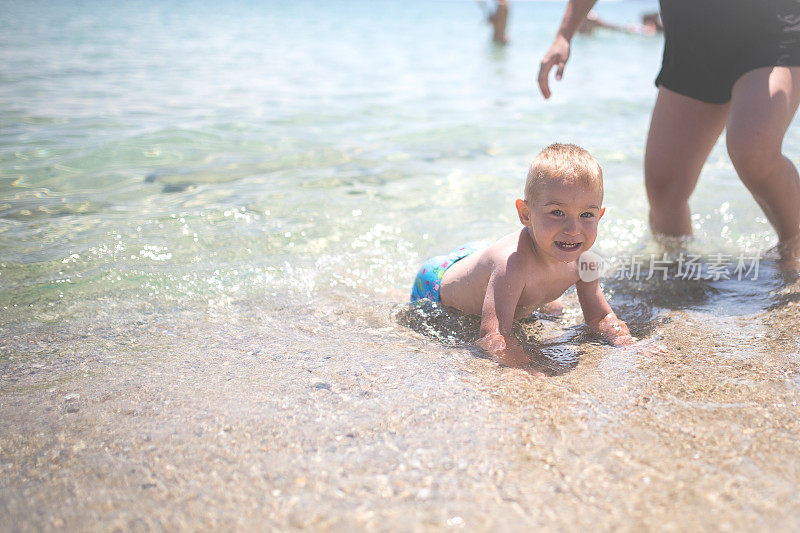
(264, 427)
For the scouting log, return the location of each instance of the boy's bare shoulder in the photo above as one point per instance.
(510, 253)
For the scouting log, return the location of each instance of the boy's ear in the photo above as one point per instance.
(524, 212)
(602, 212)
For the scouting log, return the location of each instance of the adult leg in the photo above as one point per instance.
(762, 106)
(682, 133)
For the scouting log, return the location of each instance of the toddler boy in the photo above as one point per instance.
(523, 271)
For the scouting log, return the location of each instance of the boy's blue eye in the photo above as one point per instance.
(587, 214)
(557, 212)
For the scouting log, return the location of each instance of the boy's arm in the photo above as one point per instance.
(497, 314)
(558, 53)
(598, 313)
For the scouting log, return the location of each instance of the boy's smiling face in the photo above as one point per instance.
(562, 218)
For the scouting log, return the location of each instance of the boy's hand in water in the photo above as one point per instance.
(507, 352)
(624, 340)
(614, 330)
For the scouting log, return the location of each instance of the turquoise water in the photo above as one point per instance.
(271, 157)
(210, 217)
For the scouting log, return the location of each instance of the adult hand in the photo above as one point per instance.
(556, 56)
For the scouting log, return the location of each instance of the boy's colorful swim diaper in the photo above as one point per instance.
(429, 277)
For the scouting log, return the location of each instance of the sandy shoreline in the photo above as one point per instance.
(110, 429)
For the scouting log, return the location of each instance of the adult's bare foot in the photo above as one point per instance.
(789, 255)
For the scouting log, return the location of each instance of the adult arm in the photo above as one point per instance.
(558, 53)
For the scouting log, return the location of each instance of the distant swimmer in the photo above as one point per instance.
(592, 22)
(651, 25)
(498, 19)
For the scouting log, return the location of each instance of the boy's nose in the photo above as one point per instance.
(571, 227)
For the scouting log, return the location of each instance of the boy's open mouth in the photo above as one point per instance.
(568, 246)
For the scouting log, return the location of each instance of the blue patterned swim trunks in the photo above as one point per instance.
(429, 277)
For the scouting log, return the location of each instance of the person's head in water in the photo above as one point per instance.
(651, 23)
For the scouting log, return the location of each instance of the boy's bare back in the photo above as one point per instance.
(464, 284)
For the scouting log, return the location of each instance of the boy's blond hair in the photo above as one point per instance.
(567, 162)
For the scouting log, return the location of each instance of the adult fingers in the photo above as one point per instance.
(544, 74)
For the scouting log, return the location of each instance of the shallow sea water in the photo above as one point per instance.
(210, 217)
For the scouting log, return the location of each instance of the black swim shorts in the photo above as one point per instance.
(709, 44)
